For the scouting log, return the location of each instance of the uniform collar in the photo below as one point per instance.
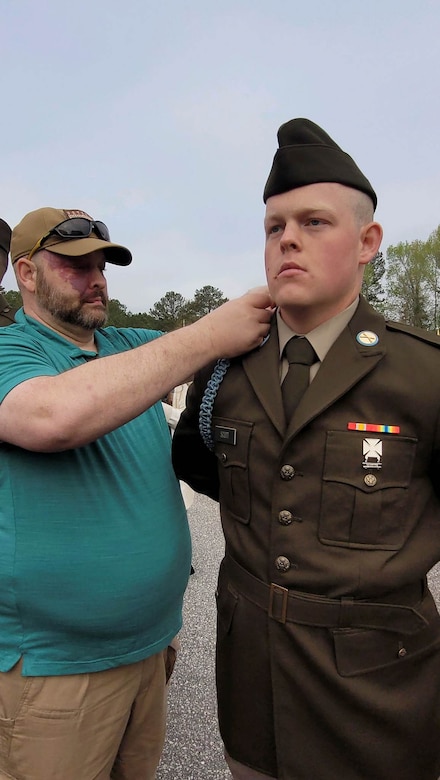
(324, 336)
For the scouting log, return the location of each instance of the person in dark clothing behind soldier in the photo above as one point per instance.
(6, 311)
(328, 642)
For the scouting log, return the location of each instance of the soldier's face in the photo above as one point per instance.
(314, 253)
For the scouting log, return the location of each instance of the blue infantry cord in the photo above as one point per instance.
(207, 403)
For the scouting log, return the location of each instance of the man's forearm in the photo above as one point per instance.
(80, 405)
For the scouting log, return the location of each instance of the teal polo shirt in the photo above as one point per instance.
(94, 543)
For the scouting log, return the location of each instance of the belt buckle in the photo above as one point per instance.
(278, 590)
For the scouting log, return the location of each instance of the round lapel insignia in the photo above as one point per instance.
(367, 338)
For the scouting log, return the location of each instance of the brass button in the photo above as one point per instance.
(370, 480)
(282, 563)
(285, 517)
(287, 472)
(402, 652)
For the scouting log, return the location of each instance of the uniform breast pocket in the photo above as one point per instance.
(232, 442)
(365, 487)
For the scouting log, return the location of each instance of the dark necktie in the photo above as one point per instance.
(300, 356)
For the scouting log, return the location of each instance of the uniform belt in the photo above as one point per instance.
(289, 606)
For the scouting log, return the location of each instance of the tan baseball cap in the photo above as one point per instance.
(39, 224)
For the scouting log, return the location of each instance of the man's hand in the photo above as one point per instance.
(240, 324)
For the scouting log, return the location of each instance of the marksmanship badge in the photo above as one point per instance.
(372, 452)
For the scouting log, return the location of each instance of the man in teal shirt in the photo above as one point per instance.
(94, 543)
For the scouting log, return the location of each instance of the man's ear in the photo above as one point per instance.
(25, 272)
(371, 238)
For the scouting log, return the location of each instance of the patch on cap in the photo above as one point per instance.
(72, 213)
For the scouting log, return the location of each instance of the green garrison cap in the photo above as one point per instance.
(307, 155)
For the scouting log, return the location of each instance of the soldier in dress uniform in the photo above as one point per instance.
(6, 311)
(328, 642)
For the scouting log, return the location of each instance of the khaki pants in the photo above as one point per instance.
(106, 725)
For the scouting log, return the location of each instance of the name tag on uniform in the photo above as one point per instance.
(225, 435)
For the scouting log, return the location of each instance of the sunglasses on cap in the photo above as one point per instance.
(76, 227)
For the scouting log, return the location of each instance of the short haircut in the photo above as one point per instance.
(362, 206)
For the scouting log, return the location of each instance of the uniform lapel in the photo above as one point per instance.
(345, 364)
(262, 368)
(351, 357)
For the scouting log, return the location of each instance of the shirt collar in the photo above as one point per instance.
(29, 322)
(321, 338)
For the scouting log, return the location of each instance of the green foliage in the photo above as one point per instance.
(372, 288)
(208, 298)
(142, 320)
(169, 312)
(205, 300)
(173, 310)
(117, 314)
(411, 274)
(121, 318)
(13, 297)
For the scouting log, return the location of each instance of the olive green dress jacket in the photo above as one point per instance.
(328, 645)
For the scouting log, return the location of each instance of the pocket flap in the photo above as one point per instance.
(359, 651)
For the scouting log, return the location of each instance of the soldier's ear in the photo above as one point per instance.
(370, 238)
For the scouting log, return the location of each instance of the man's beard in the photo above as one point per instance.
(72, 313)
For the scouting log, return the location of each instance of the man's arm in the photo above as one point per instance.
(54, 413)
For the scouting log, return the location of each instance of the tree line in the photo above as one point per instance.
(170, 312)
(404, 285)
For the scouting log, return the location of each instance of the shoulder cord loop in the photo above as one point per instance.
(207, 403)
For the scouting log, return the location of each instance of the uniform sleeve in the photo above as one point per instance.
(192, 461)
(434, 471)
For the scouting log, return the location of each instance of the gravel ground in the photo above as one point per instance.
(193, 749)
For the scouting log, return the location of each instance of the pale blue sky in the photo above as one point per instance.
(160, 119)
